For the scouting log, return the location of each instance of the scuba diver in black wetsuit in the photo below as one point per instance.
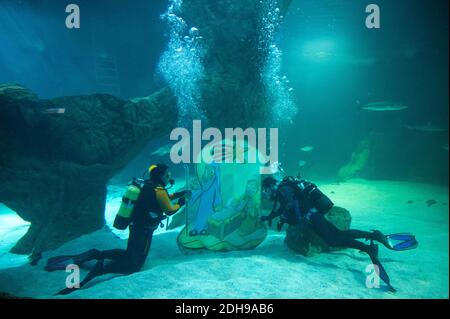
(299, 202)
(150, 208)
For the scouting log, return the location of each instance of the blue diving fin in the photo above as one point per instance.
(402, 241)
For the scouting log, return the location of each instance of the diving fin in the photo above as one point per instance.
(402, 241)
(65, 291)
(59, 262)
(381, 271)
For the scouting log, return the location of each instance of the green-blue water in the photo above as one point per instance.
(362, 112)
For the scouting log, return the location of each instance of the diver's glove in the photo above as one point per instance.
(179, 194)
(182, 201)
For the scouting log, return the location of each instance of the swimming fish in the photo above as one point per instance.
(55, 111)
(306, 148)
(384, 106)
(426, 128)
(163, 150)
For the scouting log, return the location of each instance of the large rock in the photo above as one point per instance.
(306, 242)
(232, 92)
(54, 167)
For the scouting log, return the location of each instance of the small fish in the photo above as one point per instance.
(426, 128)
(163, 150)
(430, 202)
(306, 148)
(383, 106)
(301, 163)
(139, 99)
(55, 111)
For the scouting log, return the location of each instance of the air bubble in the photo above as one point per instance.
(193, 31)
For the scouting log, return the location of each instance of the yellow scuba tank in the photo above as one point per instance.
(124, 215)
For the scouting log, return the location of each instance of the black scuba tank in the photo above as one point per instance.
(310, 195)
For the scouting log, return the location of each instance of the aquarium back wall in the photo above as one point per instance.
(336, 66)
(36, 45)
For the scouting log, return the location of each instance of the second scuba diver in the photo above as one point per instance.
(299, 202)
(149, 209)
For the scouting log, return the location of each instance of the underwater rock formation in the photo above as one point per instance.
(232, 91)
(306, 242)
(55, 165)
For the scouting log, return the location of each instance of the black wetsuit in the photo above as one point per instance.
(301, 202)
(297, 207)
(147, 215)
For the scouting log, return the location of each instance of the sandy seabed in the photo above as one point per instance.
(269, 271)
